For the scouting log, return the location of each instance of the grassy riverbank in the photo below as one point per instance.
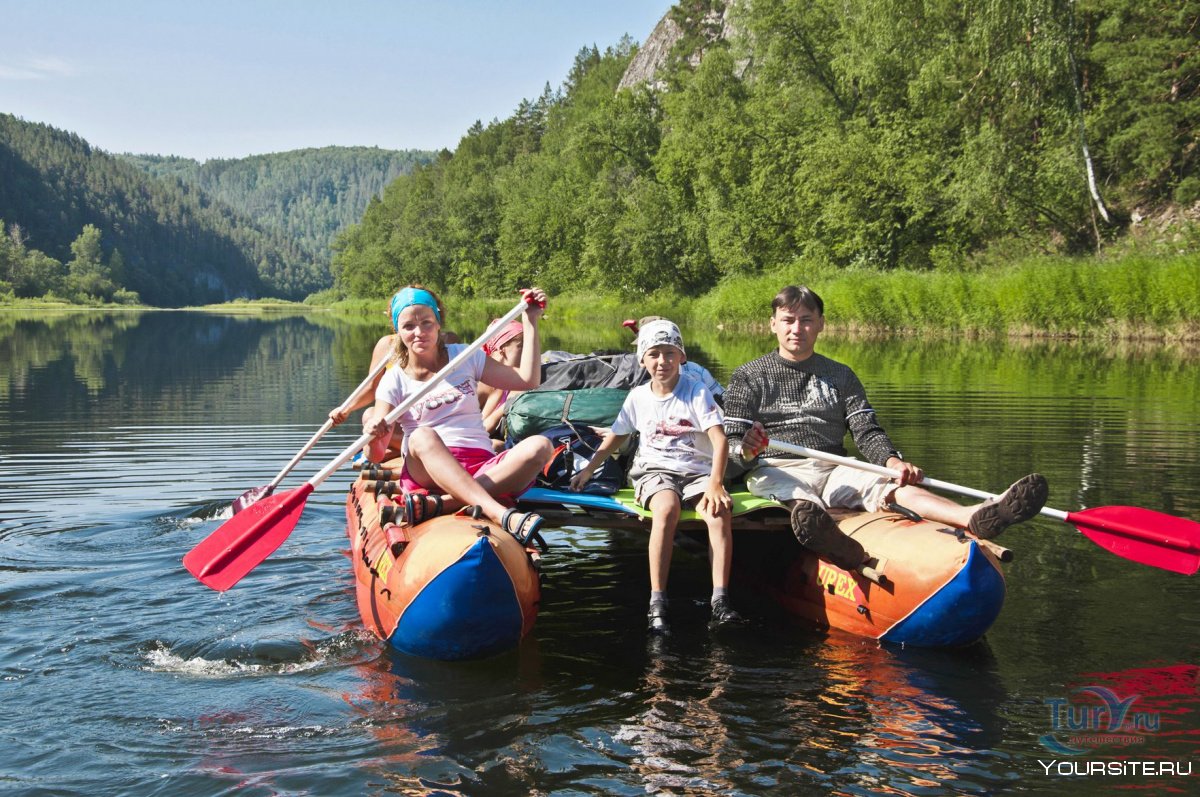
(1134, 297)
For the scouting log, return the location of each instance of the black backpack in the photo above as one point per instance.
(574, 447)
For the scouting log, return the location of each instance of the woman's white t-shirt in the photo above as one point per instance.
(451, 408)
(673, 428)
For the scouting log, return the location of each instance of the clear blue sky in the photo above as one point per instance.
(229, 78)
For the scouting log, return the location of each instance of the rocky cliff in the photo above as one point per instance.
(652, 56)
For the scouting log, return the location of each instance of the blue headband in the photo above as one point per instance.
(407, 297)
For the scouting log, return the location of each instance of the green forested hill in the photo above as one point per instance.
(845, 134)
(79, 222)
(309, 195)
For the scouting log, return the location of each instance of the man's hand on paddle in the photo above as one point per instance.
(754, 442)
(909, 473)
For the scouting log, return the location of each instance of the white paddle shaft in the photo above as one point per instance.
(888, 473)
(344, 406)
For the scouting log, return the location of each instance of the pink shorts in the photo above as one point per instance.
(473, 460)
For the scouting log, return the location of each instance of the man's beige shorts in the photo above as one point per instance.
(823, 482)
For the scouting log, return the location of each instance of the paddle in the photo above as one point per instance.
(256, 494)
(1140, 535)
(246, 539)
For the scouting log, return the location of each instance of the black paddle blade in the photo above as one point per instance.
(251, 496)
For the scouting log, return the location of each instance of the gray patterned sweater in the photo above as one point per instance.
(812, 403)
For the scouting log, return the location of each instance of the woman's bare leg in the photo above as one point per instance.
(430, 463)
(519, 467)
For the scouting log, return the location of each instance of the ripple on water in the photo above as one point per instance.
(227, 658)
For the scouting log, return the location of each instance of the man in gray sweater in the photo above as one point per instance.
(797, 396)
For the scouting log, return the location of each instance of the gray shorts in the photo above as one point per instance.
(688, 488)
(824, 483)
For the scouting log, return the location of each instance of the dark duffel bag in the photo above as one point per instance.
(537, 411)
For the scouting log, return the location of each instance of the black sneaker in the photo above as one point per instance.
(657, 618)
(724, 615)
(1024, 499)
(818, 532)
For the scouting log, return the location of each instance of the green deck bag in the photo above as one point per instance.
(536, 411)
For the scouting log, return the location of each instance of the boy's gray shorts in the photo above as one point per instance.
(688, 488)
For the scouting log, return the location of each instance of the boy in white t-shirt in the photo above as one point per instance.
(680, 457)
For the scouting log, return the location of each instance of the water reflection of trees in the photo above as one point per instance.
(143, 366)
(977, 412)
(33, 341)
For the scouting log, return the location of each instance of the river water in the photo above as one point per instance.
(124, 437)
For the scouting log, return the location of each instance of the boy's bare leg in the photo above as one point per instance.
(720, 546)
(720, 554)
(665, 508)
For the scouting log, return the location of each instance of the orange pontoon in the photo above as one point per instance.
(453, 587)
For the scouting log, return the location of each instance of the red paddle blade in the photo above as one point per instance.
(251, 496)
(1143, 535)
(246, 539)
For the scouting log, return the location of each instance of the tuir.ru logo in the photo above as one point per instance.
(1083, 727)
(1078, 728)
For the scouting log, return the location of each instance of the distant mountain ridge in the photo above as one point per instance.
(307, 195)
(177, 245)
(182, 232)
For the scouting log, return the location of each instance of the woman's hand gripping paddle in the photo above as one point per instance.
(239, 544)
(256, 494)
(1139, 535)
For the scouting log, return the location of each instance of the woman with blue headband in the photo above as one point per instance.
(448, 458)
(383, 351)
